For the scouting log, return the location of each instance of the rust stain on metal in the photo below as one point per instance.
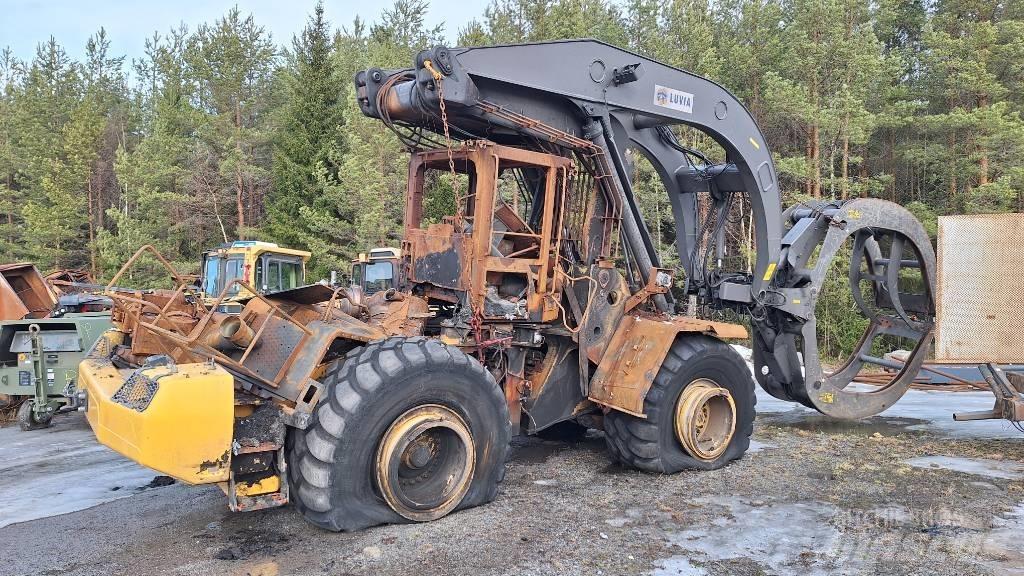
(216, 465)
(636, 352)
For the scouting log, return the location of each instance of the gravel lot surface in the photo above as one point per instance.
(894, 494)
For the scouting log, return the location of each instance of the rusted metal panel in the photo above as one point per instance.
(635, 354)
(980, 296)
(438, 256)
(24, 293)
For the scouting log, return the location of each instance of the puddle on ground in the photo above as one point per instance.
(817, 538)
(1000, 549)
(677, 566)
(814, 422)
(1004, 546)
(932, 411)
(756, 446)
(1005, 469)
(743, 530)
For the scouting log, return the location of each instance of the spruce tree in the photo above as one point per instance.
(309, 129)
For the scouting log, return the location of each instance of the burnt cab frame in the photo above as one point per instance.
(506, 264)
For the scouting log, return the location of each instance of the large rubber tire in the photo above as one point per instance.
(651, 444)
(332, 470)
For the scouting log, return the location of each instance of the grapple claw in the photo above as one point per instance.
(880, 233)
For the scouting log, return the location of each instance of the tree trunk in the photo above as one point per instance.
(844, 186)
(240, 202)
(815, 143)
(952, 165)
(239, 180)
(92, 231)
(10, 213)
(815, 161)
(983, 158)
(809, 184)
(862, 172)
(891, 163)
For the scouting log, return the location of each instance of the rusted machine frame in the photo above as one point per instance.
(179, 279)
(293, 381)
(579, 108)
(486, 158)
(647, 346)
(133, 305)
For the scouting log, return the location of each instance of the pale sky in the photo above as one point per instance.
(26, 23)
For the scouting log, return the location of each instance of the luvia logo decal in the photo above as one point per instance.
(671, 98)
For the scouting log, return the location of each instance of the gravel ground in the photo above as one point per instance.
(812, 497)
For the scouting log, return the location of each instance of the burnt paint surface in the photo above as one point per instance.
(442, 268)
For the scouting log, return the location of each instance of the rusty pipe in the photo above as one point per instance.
(235, 331)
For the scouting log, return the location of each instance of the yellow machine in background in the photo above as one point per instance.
(264, 265)
(376, 270)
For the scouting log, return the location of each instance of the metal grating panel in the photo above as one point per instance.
(137, 392)
(980, 289)
(274, 348)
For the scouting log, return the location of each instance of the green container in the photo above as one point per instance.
(45, 367)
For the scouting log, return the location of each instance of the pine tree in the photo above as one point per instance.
(52, 135)
(162, 200)
(10, 195)
(232, 63)
(360, 205)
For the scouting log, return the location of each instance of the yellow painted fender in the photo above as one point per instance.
(176, 420)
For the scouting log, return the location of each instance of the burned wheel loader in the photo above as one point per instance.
(529, 295)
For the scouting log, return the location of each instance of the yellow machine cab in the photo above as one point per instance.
(263, 265)
(376, 270)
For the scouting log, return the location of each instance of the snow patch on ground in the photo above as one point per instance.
(1005, 469)
(61, 469)
(806, 545)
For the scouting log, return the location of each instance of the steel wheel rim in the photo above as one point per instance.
(425, 462)
(705, 419)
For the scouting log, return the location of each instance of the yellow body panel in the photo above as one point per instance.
(267, 485)
(186, 430)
